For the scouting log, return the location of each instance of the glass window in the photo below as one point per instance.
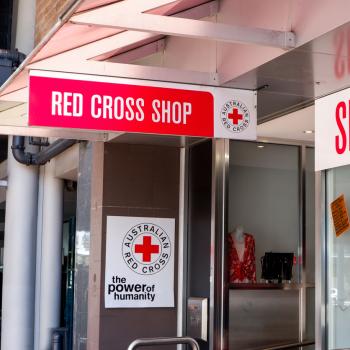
(338, 264)
(264, 197)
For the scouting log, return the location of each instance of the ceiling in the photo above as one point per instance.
(291, 127)
(297, 78)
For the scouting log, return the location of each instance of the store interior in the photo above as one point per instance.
(270, 258)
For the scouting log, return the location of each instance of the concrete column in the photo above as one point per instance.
(17, 326)
(49, 256)
(24, 30)
(88, 166)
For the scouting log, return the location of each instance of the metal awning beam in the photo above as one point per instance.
(188, 28)
(104, 48)
(138, 52)
(127, 71)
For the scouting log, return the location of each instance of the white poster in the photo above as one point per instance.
(332, 131)
(139, 262)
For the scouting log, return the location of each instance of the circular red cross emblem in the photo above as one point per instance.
(146, 248)
(235, 116)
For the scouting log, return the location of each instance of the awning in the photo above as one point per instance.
(112, 38)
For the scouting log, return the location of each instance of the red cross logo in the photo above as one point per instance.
(147, 248)
(235, 116)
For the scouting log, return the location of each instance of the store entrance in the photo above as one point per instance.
(67, 283)
(199, 238)
(269, 279)
(68, 265)
(336, 299)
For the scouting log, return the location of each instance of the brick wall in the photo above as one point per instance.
(47, 12)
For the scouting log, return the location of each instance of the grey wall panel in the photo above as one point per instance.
(263, 318)
(199, 219)
(199, 222)
(138, 181)
(82, 253)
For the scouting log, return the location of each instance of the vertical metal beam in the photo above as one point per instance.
(218, 267)
(302, 243)
(97, 160)
(182, 246)
(320, 260)
(82, 246)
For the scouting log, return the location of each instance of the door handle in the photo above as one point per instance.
(164, 341)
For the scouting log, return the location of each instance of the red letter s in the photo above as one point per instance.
(340, 106)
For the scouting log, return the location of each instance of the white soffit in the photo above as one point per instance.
(14, 121)
(185, 27)
(290, 127)
(72, 45)
(79, 48)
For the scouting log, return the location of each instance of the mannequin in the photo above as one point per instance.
(238, 239)
(242, 266)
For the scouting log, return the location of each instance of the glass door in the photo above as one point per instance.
(337, 264)
(271, 246)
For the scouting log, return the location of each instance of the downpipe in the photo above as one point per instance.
(43, 156)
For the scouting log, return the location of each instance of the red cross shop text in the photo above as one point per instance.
(120, 107)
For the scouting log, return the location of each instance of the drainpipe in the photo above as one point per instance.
(42, 157)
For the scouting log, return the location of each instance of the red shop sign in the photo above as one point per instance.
(63, 100)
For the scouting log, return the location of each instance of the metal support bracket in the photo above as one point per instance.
(290, 40)
(186, 27)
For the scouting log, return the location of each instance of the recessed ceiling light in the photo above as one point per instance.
(261, 146)
(308, 131)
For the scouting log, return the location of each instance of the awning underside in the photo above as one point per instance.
(187, 41)
(104, 37)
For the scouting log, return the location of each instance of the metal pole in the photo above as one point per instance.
(218, 327)
(302, 243)
(182, 251)
(17, 329)
(320, 260)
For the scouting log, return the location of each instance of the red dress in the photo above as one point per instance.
(245, 269)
